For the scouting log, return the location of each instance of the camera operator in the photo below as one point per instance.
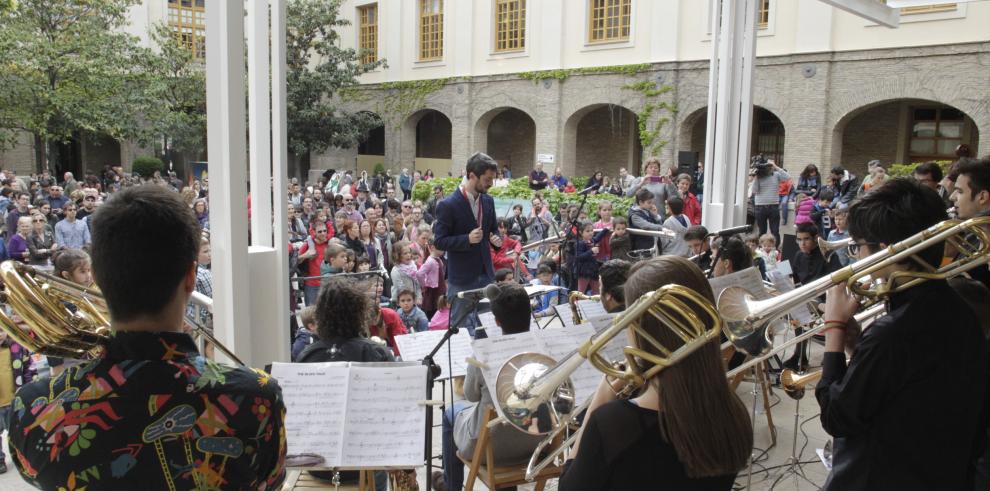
(766, 178)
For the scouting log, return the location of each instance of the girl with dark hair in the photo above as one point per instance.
(809, 182)
(687, 430)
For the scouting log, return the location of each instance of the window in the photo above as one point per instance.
(187, 18)
(430, 30)
(936, 132)
(510, 25)
(763, 15)
(368, 32)
(609, 20)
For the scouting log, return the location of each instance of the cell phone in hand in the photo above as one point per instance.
(654, 178)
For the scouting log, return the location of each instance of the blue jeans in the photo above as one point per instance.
(310, 294)
(459, 304)
(453, 468)
(785, 202)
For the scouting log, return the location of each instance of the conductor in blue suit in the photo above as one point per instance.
(464, 227)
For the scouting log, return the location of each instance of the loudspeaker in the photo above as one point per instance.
(687, 163)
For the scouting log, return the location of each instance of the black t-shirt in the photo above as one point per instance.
(622, 449)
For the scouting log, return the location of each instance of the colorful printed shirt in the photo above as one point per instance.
(152, 413)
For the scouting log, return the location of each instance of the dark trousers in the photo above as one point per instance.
(768, 217)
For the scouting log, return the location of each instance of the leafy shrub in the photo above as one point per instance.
(146, 166)
(379, 169)
(519, 189)
(906, 170)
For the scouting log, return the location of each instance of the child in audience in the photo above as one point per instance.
(432, 277)
(544, 303)
(840, 233)
(334, 262)
(404, 272)
(803, 204)
(386, 324)
(584, 256)
(306, 335)
(821, 214)
(767, 250)
(504, 275)
(441, 319)
(618, 242)
(412, 317)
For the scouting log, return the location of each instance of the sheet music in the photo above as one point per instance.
(493, 352)
(355, 415)
(488, 322)
(565, 313)
(385, 424)
(415, 346)
(590, 308)
(558, 343)
(784, 283)
(749, 279)
(613, 350)
(785, 268)
(315, 396)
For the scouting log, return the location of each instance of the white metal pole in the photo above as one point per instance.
(259, 123)
(280, 173)
(228, 216)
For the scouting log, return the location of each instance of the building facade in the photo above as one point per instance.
(568, 82)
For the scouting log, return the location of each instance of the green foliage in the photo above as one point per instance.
(178, 82)
(397, 100)
(906, 170)
(69, 67)
(649, 136)
(379, 168)
(317, 70)
(147, 166)
(562, 74)
(518, 188)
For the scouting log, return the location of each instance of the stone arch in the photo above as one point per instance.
(371, 148)
(768, 133)
(508, 134)
(901, 130)
(427, 141)
(602, 137)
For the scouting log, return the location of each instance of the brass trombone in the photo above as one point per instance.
(829, 248)
(530, 384)
(747, 320)
(55, 329)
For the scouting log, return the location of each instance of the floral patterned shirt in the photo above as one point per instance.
(152, 413)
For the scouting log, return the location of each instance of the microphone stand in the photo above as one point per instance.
(573, 235)
(432, 372)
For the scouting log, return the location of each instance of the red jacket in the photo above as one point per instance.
(501, 258)
(692, 209)
(393, 325)
(313, 263)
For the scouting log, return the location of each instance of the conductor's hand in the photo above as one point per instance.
(475, 236)
(495, 240)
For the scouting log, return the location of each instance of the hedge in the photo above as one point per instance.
(146, 166)
(907, 170)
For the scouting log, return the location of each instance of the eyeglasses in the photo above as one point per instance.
(855, 246)
(38, 220)
(406, 206)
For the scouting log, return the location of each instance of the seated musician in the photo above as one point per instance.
(343, 310)
(462, 422)
(612, 276)
(687, 430)
(696, 238)
(904, 411)
(733, 256)
(151, 412)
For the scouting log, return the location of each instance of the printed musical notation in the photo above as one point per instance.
(355, 414)
(415, 346)
(565, 313)
(488, 322)
(749, 279)
(591, 308)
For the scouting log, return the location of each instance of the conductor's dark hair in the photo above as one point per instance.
(480, 163)
(737, 252)
(895, 211)
(342, 310)
(511, 308)
(613, 275)
(929, 169)
(145, 242)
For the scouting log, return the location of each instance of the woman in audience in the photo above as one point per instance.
(41, 242)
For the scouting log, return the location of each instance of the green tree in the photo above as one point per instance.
(178, 83)
(317, 69)
(66, 67)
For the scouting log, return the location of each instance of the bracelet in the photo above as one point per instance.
(836, 322)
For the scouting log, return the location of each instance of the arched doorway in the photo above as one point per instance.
(511, 140)
(603, 137)
(767, 134)
(902, 131)
(425, 142)
(371, 149)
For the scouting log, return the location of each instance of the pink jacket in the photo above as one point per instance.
(440, 320)
(802, 212)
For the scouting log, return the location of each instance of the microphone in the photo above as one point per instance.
(490, 292)
(725, 232)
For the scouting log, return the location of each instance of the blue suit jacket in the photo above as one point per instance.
(466, 263)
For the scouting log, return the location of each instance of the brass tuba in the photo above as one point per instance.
(530, 384)
(53, 327)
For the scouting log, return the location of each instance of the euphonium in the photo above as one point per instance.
(530, 385)
(573, 299)
(55, 329)
(747, 320)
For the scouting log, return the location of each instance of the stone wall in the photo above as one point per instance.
(872, 135)
(512, 139)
